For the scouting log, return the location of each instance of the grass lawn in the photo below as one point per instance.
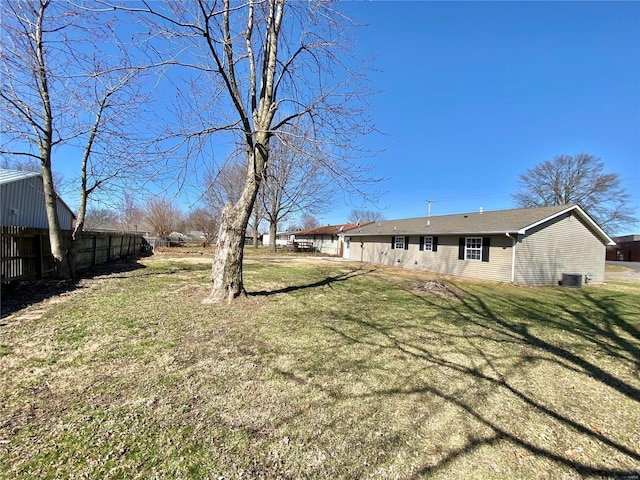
(326, 370)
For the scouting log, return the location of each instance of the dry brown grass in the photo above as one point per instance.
(327, 370)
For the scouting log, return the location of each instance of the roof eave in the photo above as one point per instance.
(460, 232)
(582, 214)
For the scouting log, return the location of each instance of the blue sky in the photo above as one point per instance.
(475, 93)
(472, 94)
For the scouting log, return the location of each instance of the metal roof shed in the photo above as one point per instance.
(22, 201)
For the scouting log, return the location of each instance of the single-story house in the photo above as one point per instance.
(22, 202)
(328, 239)
(533, 246)
(282, 239)
(626, 249)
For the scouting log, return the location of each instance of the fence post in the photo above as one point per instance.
(94, 245)
(40, 254)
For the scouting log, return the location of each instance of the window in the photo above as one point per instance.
(430, 244)
(401, 243)
(473, 248)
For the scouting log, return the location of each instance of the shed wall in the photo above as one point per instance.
(562, 245)
(22, 204)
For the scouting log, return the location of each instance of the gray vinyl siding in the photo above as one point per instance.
(377, 249)
(562, 245)
(22, 204)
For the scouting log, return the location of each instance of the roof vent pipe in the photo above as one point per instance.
(481, 210)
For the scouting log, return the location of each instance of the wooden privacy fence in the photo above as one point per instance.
(26, 252)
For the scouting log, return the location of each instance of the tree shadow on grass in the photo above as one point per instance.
(601, 329)
(19, 295)
(328, 281)
(600, 334)
(597, 322)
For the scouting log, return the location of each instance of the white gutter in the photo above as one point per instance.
(513, 257)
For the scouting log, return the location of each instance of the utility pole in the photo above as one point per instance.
(429, 207)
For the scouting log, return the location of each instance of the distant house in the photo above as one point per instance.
(22, 202)
(626, 249)
(533, 246)
(197, 236)
(281, 239)
(328, 239)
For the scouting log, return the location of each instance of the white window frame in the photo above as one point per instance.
(399, 242)
(427, 247)
(473, 248)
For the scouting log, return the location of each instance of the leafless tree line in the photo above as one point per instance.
(143, 94)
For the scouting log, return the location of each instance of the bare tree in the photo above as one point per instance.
(201, 220)
(100, 218)
(27, 101)
(130, 214)
(21, 164)
(257, 217)
(364, 216)
(59, 90)
(163, 216)
(295, 181)
(255, 67)
(308, 221)
(224, 185)
(577, 179)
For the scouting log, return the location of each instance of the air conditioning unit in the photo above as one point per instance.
(573, 280)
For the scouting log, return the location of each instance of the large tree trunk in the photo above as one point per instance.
(55, 233)
(226, 271)
(273, 230)
(46, 142)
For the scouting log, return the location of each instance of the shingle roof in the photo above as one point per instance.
(476, 223)
(327, 230)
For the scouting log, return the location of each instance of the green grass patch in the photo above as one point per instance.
(325, 370)
(611, 268)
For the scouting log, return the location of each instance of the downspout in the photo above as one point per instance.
(513, 258)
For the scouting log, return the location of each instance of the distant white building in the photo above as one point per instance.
(22, 202)
(282, 238)
(328, 239)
